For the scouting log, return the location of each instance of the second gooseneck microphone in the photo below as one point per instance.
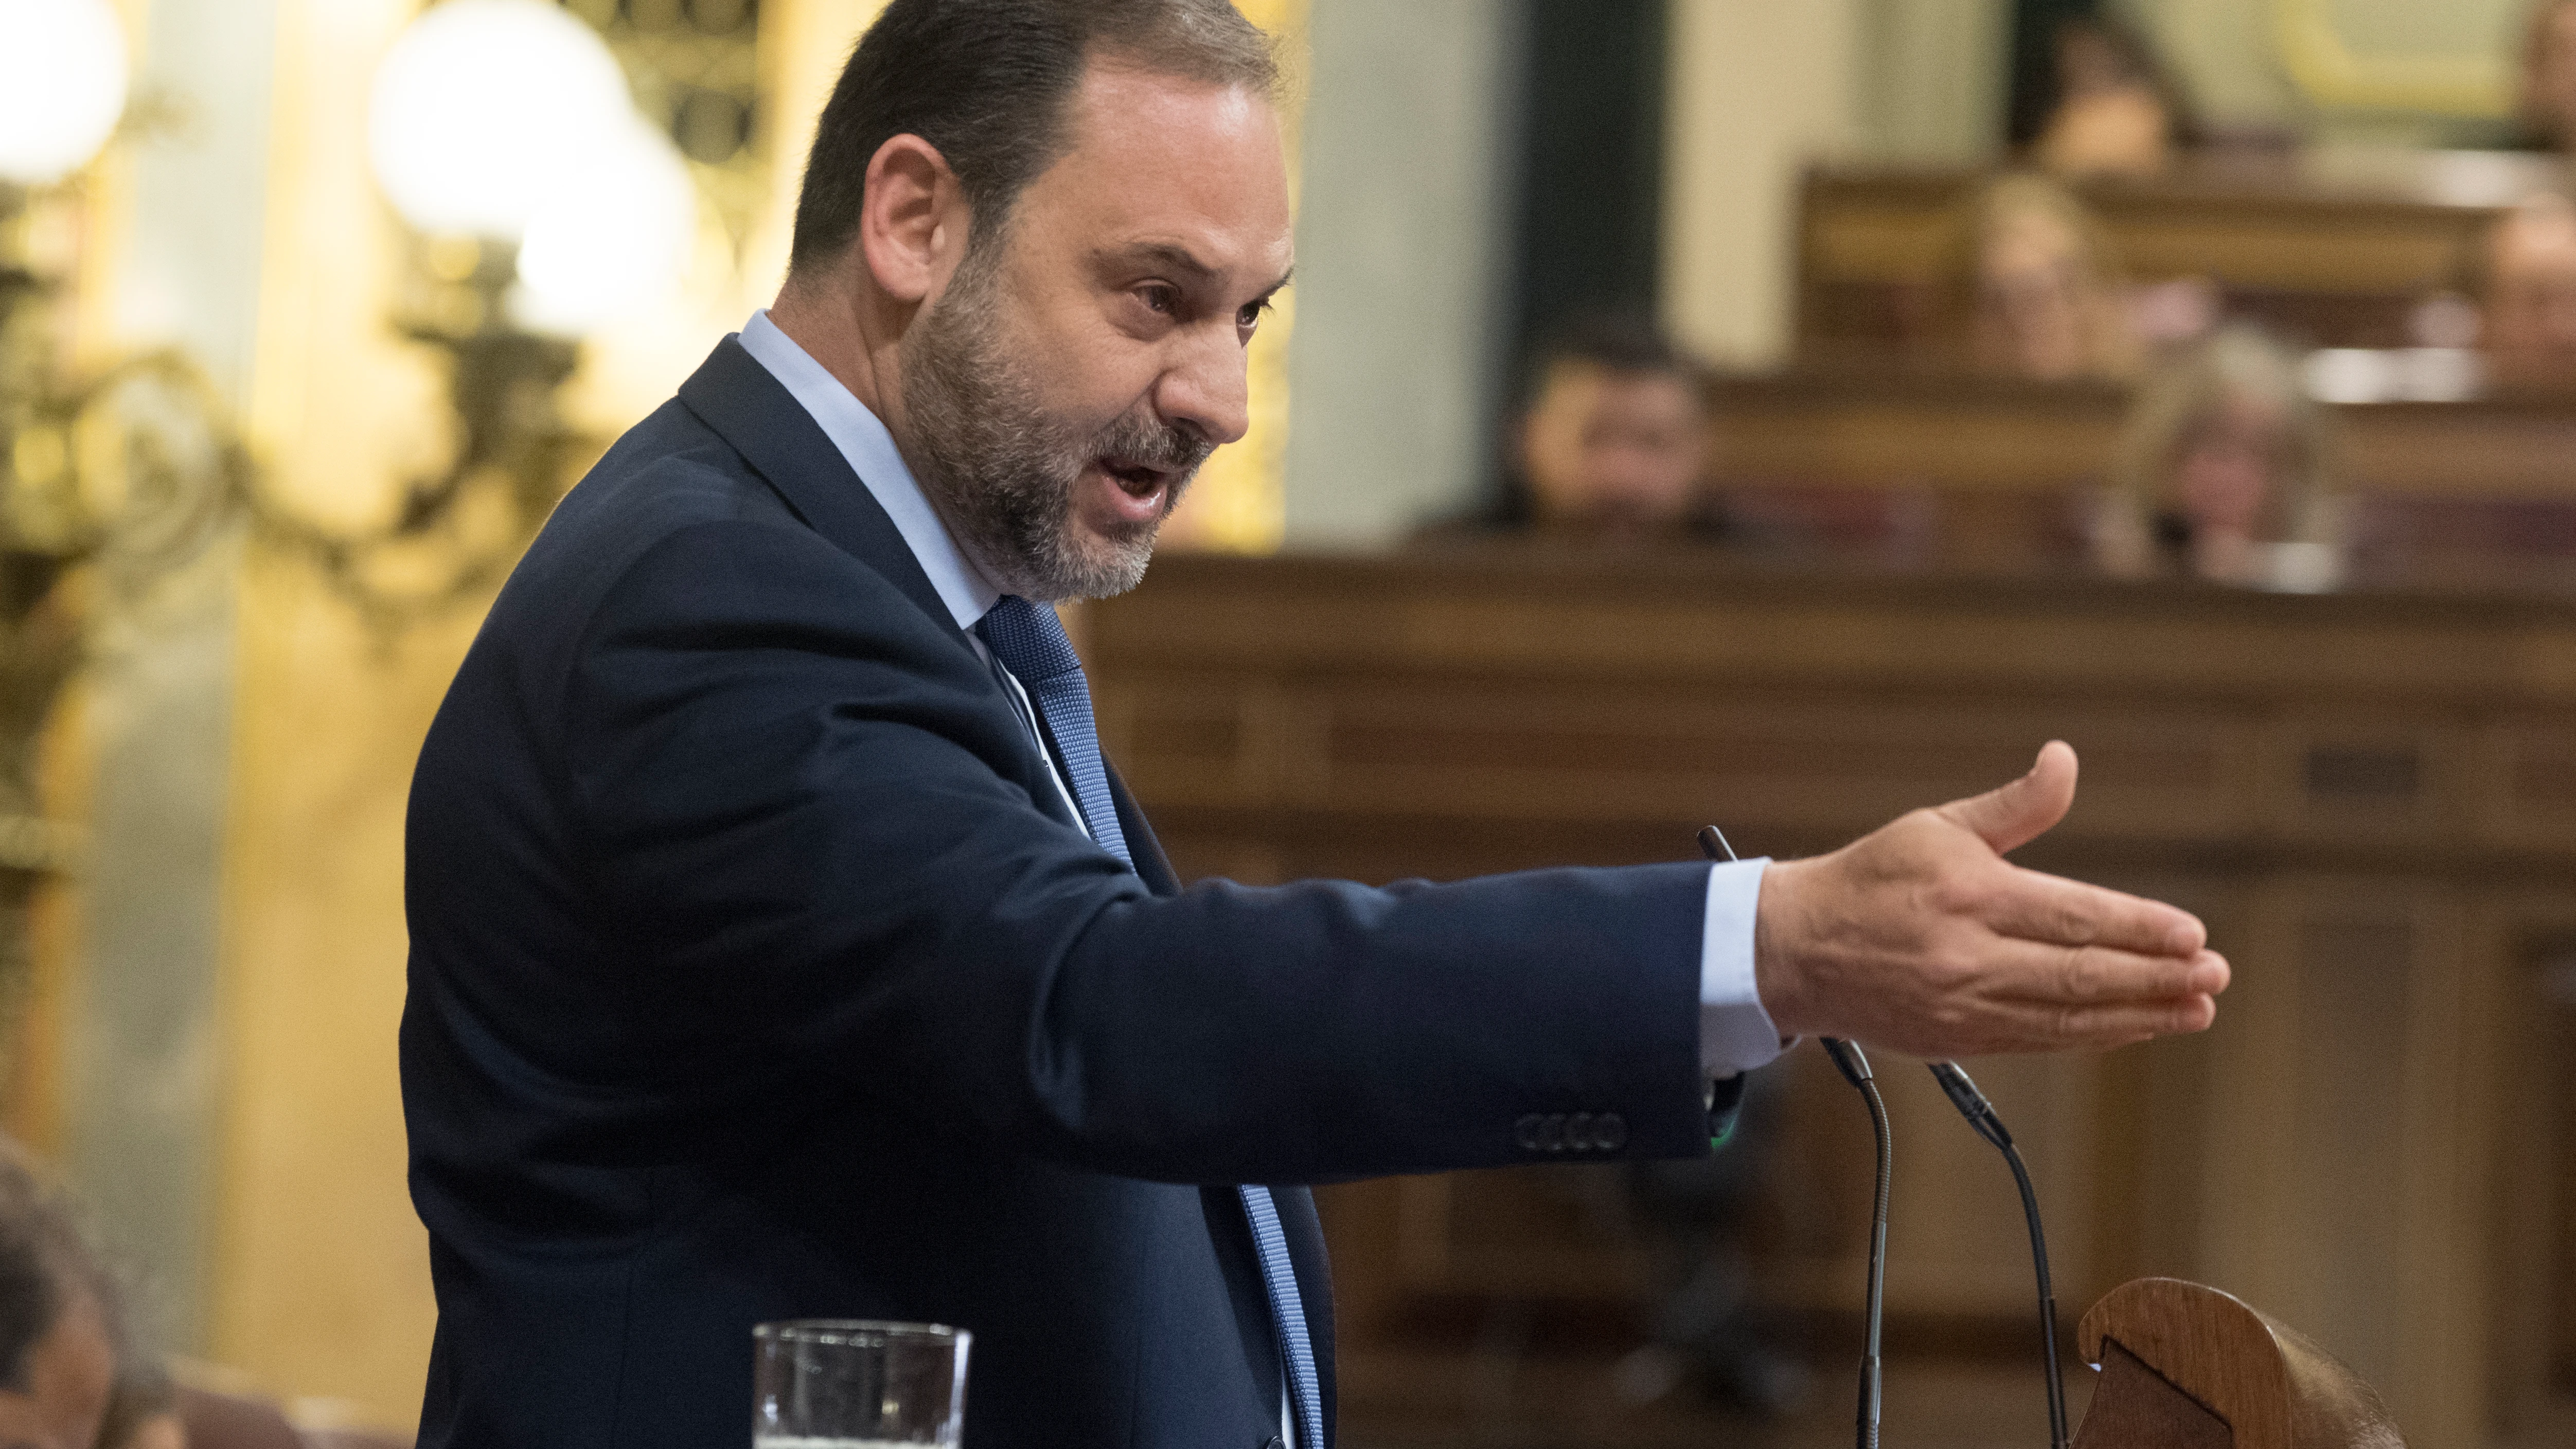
(1849, 1060)
(1972, 1104)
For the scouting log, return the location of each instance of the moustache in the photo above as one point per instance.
(1174, 448)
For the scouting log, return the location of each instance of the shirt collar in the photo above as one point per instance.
(871, 452)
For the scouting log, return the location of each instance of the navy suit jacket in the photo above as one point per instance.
(758, 972)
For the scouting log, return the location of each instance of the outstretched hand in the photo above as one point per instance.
(1922, 938)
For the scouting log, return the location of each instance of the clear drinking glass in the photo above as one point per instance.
(846, 1383)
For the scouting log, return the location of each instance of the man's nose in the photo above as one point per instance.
(1206, 386)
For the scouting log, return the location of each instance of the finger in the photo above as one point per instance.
(2028, 974)
(2058, 1029)
(2056, 911)
(2011, 816)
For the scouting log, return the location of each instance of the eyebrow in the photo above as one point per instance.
(1181, 259)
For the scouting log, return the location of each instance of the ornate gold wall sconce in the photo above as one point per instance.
(540, 205)
(129, 466)
(132, 463)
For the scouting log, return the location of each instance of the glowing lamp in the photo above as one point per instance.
(62, 86)
(484, 109)
(613, 237)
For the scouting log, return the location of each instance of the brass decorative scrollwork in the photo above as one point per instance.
(695, 69)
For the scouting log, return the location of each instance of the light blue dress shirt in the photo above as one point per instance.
(1735, 1033)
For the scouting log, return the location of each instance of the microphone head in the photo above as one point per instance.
(1972, 1104)
(1848, 1059)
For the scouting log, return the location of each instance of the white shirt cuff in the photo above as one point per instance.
(1735, 1033)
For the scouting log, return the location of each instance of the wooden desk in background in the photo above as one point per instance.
(2001, 461)
(2372, 800)
(2334, 246)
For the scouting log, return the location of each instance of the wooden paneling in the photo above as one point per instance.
(2371, 798)
(1909, 466)
(2343, 222)
(2333, 246)
(1953, 434)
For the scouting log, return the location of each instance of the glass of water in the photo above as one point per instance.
(847, 1383)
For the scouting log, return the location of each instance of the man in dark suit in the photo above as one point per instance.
(782, 945)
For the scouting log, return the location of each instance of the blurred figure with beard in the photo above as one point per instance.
(2034, 289)
(2221, 473)
(1610, 444)
(2524, 277)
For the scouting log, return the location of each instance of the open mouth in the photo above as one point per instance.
(1138, 480)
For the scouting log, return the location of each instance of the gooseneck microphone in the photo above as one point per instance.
(1849, 1060)
(1972, 1104)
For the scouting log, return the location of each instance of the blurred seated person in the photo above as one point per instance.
(2221, 473)
(2546, 107)
(60, 1322)
(2525, 282)
(73, 1372)
(2107, 105)
(1610, 443)
(2034, 290)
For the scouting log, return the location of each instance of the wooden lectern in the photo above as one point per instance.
(2188, 1367)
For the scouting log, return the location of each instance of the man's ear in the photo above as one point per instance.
(912, 227)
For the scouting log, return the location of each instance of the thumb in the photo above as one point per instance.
(2013, 815)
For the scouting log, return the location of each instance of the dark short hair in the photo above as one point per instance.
(2042, 89)
(987, 82)
(1616, 342)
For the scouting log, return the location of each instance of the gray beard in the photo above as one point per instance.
(1002, 471)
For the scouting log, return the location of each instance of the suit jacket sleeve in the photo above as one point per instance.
(802, 831)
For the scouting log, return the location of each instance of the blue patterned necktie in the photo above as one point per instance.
(1029, 641)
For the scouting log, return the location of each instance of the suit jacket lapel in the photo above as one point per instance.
(737, 398)
(734, 395)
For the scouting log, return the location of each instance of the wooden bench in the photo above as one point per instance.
(1999, 463)
(2333, 246)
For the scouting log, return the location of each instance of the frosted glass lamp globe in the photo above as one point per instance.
(484, 108)
(62, 86)
(614, 238)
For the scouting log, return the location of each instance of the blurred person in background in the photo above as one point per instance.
(74, 1371)
(2109, 106)
(1611, 444)
(2035, 291)
(2524, 279)
(61, 1326)
(2221, 473)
